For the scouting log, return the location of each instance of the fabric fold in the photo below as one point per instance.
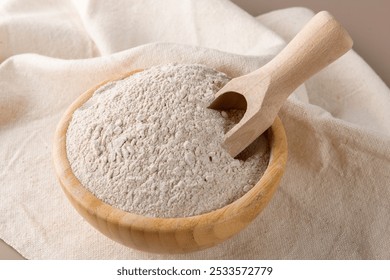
(332, 202)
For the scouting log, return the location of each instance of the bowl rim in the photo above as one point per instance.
(77, 193)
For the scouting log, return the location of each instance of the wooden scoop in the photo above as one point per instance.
(263, 92)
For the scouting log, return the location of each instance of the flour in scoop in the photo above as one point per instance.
(147, 144)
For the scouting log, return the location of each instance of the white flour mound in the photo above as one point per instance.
(148, 145)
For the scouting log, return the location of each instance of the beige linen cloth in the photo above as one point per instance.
(334, 199)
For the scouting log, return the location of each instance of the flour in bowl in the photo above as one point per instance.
(147, 144)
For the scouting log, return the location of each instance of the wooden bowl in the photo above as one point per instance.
(168, 235)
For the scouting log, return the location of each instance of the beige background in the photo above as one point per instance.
(367, 22)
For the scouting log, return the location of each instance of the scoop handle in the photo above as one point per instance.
(321, 41)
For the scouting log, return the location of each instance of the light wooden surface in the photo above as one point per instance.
(8, 253)
(174, 235)
(318, 44)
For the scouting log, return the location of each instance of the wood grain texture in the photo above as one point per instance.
(168, 235)
(321, 41)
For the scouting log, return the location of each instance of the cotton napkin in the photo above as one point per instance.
(334, 198)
